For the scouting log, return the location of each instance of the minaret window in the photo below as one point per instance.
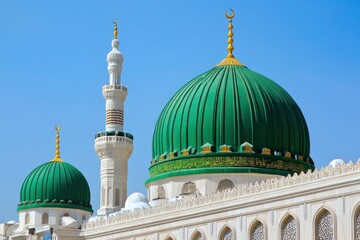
(45, 218)
(103, 197)
(110, 196)
(117, 197)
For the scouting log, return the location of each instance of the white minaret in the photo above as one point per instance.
(114, 146)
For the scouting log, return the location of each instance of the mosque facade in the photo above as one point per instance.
(231, 160)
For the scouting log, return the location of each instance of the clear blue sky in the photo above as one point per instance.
(53, 65)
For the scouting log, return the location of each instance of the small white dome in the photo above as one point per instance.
(136, 200)
(337, 161)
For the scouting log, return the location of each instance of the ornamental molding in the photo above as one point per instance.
(228, 161)
(114, 151)
(246, 190)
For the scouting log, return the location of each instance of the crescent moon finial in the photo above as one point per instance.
(115, 28)
(230, 59)
(57, 144)
(232, 14)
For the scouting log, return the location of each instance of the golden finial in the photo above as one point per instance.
(115, 29)
(57, 147)
(230, 59)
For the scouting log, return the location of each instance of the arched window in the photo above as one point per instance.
(324, 226)
(197, 236)
(168, 238)
(66, 214)
(257, 231)
(225, 184)
(103, 197)
(45, 218)
(27, 218)
(161, 192)
(226, 234)
(357, 225)
(117, 197)
(289, 229)
(188, 188)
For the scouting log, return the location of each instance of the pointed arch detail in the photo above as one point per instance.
(324, 223)
(355, 219)
(226, 233)
(257, 230)
(169, 237)
(289, 227)
(198, 235)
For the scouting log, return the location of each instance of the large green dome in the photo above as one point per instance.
(55, 184)
(230, 119)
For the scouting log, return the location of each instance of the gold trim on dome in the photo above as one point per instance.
(230, 59)
(185, 152)
(225, 148)
(266, 151)
(206, 149)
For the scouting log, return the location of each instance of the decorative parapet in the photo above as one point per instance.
(246, 190)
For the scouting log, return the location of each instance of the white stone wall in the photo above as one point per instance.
(205, 183)
(303, 196)
(55, 215)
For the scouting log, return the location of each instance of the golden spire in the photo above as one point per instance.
(57, 148)
(115, 29)
(230, 59)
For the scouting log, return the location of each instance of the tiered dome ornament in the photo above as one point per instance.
(55, 184)
(230, 119)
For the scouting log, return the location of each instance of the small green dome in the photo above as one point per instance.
(230, 119)
(55, 184)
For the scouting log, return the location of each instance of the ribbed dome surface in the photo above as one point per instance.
(230, 105)
(55, 184)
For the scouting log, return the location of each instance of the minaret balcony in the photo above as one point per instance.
(116, 92)
(114, 87)
(115, 136)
